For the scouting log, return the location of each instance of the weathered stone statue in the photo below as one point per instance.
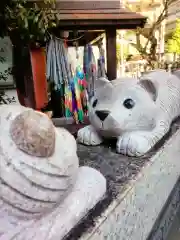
(43, 191)
(136, 112)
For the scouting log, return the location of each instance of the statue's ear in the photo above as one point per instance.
(149, 86)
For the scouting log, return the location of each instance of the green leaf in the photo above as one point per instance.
(31, 24)
(36, 19)
(173, 44)
(53, 24)
(26, 23)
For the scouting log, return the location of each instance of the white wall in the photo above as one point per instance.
(72, 55)
(6, 52)
(173, 14)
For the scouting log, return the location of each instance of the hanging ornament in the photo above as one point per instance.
(101, 60)
(64, 35)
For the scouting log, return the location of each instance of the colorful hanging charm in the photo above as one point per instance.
(71, 86)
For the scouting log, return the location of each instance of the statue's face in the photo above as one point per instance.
(121, 106)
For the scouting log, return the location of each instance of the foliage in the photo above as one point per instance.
(28, 23)
(173, 45)
(149, 49)
(4, 99)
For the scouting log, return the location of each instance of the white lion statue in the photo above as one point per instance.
(138, 112)
(43, 191)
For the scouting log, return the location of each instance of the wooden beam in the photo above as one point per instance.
(111, 53)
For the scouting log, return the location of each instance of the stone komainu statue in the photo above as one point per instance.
(136, 112)
(43, 191)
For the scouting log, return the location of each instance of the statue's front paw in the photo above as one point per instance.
(88, 136)
(133, 144)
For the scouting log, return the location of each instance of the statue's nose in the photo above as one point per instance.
(102, 115)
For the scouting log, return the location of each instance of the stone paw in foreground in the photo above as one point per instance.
(133, 144)
(43, 191)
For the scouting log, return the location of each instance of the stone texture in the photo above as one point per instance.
(41, 197)
(165, 225)
(118, 169)
(133, 215)
(33, 133)
(121, 173)
(89, 188)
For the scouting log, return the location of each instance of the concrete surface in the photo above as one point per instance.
(132, 215)
(174, 233)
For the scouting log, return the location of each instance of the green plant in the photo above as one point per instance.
(28, 24)
(173, 44)
(148, 47)
(4, 98)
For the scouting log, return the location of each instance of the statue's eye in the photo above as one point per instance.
(94, 103)
(128, 103)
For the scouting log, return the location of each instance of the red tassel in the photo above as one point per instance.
(65, 43)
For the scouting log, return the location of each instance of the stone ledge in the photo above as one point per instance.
(132, 216)
(165, 226)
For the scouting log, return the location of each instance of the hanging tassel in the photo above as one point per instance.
(65, 43)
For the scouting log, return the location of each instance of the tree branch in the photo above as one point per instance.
(160, 19)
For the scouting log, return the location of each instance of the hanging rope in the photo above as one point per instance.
(67, 40)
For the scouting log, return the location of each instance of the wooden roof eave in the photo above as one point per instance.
(90, 21)
(91, 14)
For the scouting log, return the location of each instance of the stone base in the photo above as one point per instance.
(89, 189)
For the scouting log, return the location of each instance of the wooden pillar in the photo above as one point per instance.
(111, 53)
(23, 76)
(38, 66)
(29, 70)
